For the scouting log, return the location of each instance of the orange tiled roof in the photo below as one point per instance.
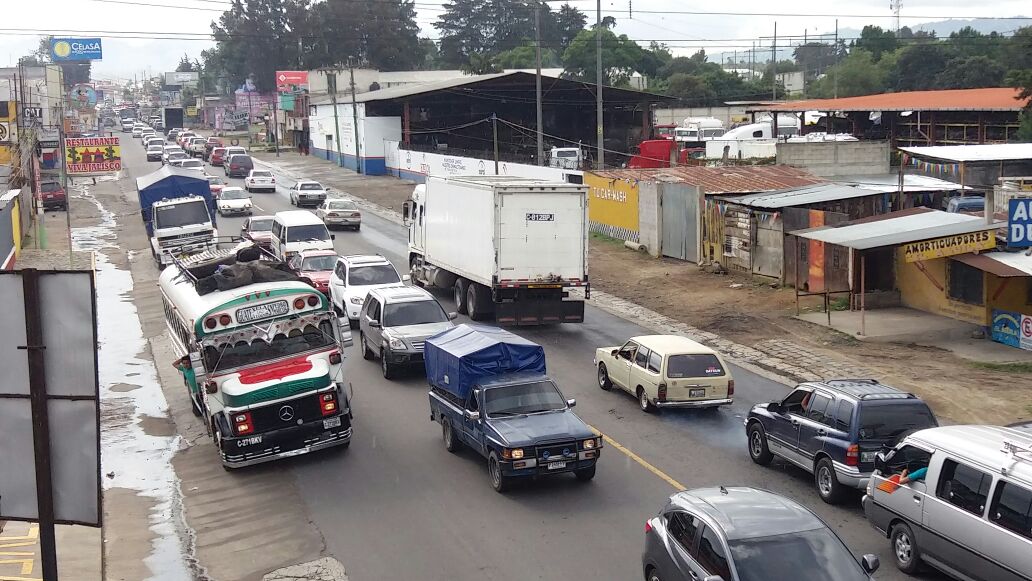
(990, 99)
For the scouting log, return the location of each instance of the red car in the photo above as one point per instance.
(53, 196)
(215, 183)
(258, 229)
(316, 266)
(210, 146)
(218, 155)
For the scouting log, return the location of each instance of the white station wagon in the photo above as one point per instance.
(666, 371)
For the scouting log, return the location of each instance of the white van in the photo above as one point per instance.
(297, 230)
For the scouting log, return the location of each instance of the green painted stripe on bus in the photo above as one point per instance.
(278, 391)
(199, 324)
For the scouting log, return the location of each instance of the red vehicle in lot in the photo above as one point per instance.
(316, 266)
(53, 196)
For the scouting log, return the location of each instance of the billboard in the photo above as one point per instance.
(291, 81)
(176, 78)
(92, 155)
(75, 49)
(1019, 223)
(83, 96)
(171, 99)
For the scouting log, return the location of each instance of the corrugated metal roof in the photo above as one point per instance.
(724, 179)
(973, 153)
(837, 190)
(989, 99)
(911, 183)
(893, 230)
(1002, 264)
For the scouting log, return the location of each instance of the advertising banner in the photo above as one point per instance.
(83, 96)
(1019, 223)
(75, 49)
(291, 81)
(949, 246)
(92, 155)
(1006, 327)
(1025, 341)
(179, 79)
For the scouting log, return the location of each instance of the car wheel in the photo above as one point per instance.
(644, 403)
(585, 474)
(451, 443)
(460, 295)
(758, 450)
(498, 480)
(904, 549)
(827, 483)
(357, 228)
(385, 363)
(652, 575)
(194, 407)
(367, 353)
(603, 377)
(217, 435)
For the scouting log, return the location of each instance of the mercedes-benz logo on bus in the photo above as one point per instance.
(286, 413)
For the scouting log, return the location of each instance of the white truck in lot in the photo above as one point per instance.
(515, 248)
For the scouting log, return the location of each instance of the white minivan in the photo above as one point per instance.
(297, 230)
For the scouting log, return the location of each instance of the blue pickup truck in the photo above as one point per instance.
(489, 391)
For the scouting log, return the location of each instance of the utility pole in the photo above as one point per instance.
(834, 77)
(600, 162)
(354, 117)
(275, 122)
(331, 86)
(494, 131)
(540, 113)
(774, 65)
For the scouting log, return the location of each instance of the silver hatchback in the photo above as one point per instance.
(394, 324)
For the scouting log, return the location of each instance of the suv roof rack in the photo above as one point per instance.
(1017, 452)
(866, 389)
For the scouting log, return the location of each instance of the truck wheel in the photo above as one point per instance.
(459, 289)
(603, 377)
(450, 443)
(416, 280)
(474, 304)
(585, 474)
(499, 481)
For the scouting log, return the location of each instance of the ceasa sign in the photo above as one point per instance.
(1019, 223)
(1014, 329)
(75, 49)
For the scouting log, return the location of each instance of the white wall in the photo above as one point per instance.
(741, 149)
(416, 165)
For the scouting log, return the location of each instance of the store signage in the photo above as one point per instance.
(92, 155)
(75, 49)
(291, 81)
(1013, 329)
(1019, 223)
(949, 246)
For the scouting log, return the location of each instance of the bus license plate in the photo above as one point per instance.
(259, 312)
(331, 423)
(556, 465)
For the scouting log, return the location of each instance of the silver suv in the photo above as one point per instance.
(394, 324)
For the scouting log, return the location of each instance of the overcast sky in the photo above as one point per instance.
(684, 32)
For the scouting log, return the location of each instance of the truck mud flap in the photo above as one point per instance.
(529, 312)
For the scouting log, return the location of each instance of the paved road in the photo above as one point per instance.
(396, 505)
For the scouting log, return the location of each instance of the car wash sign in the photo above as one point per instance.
(1019, 223)
(75, 49)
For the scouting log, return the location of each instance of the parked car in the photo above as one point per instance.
(144, 136)
(238, 166)
(169, 150)
(957, 498)
(745, 534)
(175, 157)
(316, 266)
(395, 324)
(210, 144)
(218, 155)
(233, 150)
(184, 138)
(338, 212)
(666, 371)
(215, 184)
(966, 204)
(352, 279)
(234, 200)
(258, 229)
(127, 125)
(53, 196)
(154, 153)
(834, 429)
(307, 193)
(260, 179)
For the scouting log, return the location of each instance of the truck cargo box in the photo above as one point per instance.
(461, 356)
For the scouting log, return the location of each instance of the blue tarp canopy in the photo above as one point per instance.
(465, 354)
(169, 183)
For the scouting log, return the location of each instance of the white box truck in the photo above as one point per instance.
(514, 248)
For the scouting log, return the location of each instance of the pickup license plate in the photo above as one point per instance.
(866, 457)
(700, 392)
(556, 465)
(331, 423)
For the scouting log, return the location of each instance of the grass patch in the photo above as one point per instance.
(608, 239)
(1004, 367)
(839, 304)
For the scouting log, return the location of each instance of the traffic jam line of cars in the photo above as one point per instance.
(955, 498)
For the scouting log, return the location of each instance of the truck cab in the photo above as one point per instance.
(181, 226)
(566, 157)
(490, 393)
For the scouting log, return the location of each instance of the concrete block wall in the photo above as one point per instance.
(650, 217)
(836, 158)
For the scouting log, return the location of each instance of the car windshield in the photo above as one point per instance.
(181, 215)
(317, 263)
(215, 180)
(524, 398)
(50, 187)
(192, 163)
(306, 232)
(701, 365)
(310, 187)
(176, 156)
(413, 313)
(341, 205)
(234, 195)
(881, 421)
(815, 555)
(366, 275)
(243, 353)
(154, 149)
(261, 174)
(260, 226)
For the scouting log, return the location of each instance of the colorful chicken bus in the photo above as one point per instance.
(261, 361)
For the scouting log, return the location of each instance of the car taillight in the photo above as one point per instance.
(661, 392)
(332, 214)
(328, 403)
(335, 358)
(225, 320)
(852, 455)
(299, 303)
(312, 301)
(210, 323)
(648, 526)
(730, 387)
(242, 423)
(356, 215)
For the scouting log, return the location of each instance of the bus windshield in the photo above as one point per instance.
(243, 354)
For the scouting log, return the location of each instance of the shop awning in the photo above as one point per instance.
(1002, 264)
(985, 153)
(898, 228)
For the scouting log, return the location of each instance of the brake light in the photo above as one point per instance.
(730, 387)
(661, 392)
(648, 526)
(328, 403)
(852, 455)
(210, 323)
(356, 215)
(299, 303)
(335, 358)
(225, 320)
(312, 301)
(242, 423)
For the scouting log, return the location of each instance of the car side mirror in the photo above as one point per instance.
(775, 407)
(452, 316)
(406, 212)
(712, 578)
(614, 352)
(374, 324)
(571, 402)
(870, 563)
(333, 236)
(472, 416)
(406, 278)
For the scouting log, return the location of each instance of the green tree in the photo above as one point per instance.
(481, 64)
(971, 72)
(857, 74)
(185, 65)
(569, 22)
(918, 67)
(691, 89)
(621, 57)
(525, 57)
(815, 57)
(877, 41)
(686, 65)
(431, 54)
(1025, 126)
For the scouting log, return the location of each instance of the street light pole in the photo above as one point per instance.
(540, 114)
(600, 162)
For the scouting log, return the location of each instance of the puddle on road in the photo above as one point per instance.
(136, 450)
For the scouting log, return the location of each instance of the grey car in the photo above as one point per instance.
(745, 534)
(395, 323)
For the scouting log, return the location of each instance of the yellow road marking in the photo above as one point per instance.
(26, 564)
(641, 461)
(33, 535)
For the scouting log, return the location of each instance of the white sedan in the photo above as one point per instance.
(340, 213)
(307, 193)
(234, 200)
(194, 164)
(260, 179)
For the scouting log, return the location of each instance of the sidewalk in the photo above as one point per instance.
(749, 321)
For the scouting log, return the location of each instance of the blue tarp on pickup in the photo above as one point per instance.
(170, 182)
(465, 354)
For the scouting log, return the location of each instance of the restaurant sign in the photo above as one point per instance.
(949, 246)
